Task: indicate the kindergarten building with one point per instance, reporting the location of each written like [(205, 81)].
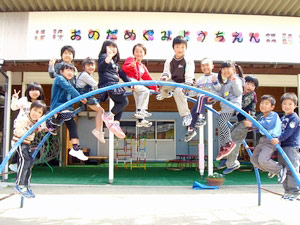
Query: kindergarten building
[(263, 38)]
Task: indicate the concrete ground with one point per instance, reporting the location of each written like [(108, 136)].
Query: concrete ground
[(109, 205)]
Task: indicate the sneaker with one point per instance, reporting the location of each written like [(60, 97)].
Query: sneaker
[(189, 135), (200, 122), (186, 120), (226, 150), (271, 175), (99, 135), (78, 154), (108, 119), (159, 97), (30, 192), (22, 191), (13, 167), (147, 114), (282, 175), (222, 164), (292, 197), (139, 115), (230, 170), (144, 123), (285, 196), (116, 129)]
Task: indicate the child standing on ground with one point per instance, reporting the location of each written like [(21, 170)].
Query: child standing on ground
[(63, 91), (178, 69), (229, 86), (261, 157), (109, 72), (290, 143), (239, 131), (136, 71), (86, 83), (198, 111), (33, 92), (21, 125)]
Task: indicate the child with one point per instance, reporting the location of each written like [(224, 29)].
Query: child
[(198, 111), (63, 91), (179, 70), (230, 87), (239, 131), (21, 125), (86, 83), (261, 157), (290, 143), (33, 92), (136, 71), (109, 72), (67, 54)]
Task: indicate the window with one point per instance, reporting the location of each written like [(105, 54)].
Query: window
[(165, 130)]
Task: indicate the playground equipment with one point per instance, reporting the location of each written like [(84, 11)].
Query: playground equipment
[(146, 83), (124, 153), (140, 153)]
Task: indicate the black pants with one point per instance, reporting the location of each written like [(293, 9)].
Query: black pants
[(121, 101), (25, 164)]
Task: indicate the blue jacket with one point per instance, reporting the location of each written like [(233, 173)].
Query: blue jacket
[(290, 126), (62, 91), (272, 124)]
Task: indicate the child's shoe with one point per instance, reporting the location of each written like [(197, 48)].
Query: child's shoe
[(186, 120), (292, 197), (108, 119), (139, 115), (144, 123), (271, 175), (226, 150), (146, 113), (116, 129), (200, 122), (22, 191), (159, 97), (189, 135), (282, 175), (285, 196), (99, 135), (13, 167), (230, 170), (78, 154), (30, 192), (222, 164)]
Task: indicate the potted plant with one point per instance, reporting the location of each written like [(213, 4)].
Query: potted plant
[(215, 180)]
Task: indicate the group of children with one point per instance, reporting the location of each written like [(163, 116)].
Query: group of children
[(229, 84)]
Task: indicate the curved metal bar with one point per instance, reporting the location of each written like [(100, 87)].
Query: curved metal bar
[(147, 83)]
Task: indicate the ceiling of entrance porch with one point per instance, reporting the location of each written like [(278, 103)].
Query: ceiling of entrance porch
[(246, 7)]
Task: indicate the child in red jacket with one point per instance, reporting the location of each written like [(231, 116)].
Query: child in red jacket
[(136, 71)]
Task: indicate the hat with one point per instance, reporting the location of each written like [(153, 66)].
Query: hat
[(227, 64)]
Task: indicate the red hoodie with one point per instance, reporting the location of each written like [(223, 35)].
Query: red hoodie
[(138, 72)]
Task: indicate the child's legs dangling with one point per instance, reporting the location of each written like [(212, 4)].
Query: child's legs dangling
[(224, 131), (141, 96), (72, 127), (121, 101), (98, 118), (181, 102)]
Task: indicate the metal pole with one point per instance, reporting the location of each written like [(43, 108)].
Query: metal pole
[(111, 151), (210, 132), (6, 120)]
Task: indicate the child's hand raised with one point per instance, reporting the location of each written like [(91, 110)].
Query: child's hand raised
[(133, 64), (52, 62), (233, 78), (247, 123), (110, 52), (16, 94)]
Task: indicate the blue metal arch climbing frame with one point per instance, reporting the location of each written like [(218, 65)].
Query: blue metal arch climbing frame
[(146, 83)]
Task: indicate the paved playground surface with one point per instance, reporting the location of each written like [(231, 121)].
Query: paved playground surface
[(147, 205)]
